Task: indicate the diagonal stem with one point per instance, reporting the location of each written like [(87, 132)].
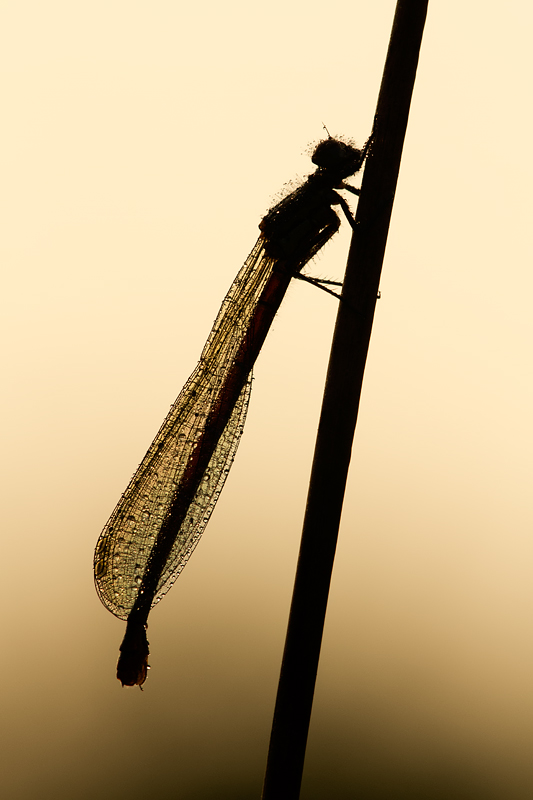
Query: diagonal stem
[(340, 407)]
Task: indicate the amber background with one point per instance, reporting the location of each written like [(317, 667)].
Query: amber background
[(141, 144)]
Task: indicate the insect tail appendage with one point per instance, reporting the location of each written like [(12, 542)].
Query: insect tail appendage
[(132, 667)]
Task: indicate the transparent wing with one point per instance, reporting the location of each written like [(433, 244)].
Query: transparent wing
[(124, 546)]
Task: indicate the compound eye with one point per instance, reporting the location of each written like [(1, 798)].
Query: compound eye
[(337, 157), (329, 154)]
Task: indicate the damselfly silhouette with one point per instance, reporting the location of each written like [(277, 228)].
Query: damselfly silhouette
[(164, 510)]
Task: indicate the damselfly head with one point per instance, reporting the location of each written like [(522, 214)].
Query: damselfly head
[(338, 157)]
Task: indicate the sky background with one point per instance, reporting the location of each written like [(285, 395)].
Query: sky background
[(141, 145)]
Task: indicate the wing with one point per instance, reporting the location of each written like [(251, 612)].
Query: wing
[(126, 543)]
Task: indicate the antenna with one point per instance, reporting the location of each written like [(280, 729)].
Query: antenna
[(328, 133)]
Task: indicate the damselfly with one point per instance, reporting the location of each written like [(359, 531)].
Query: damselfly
[(167, 504)]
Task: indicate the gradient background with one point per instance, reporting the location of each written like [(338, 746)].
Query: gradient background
[(142, 143)]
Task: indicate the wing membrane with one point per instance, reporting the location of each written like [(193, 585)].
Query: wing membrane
[(125, 544)]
